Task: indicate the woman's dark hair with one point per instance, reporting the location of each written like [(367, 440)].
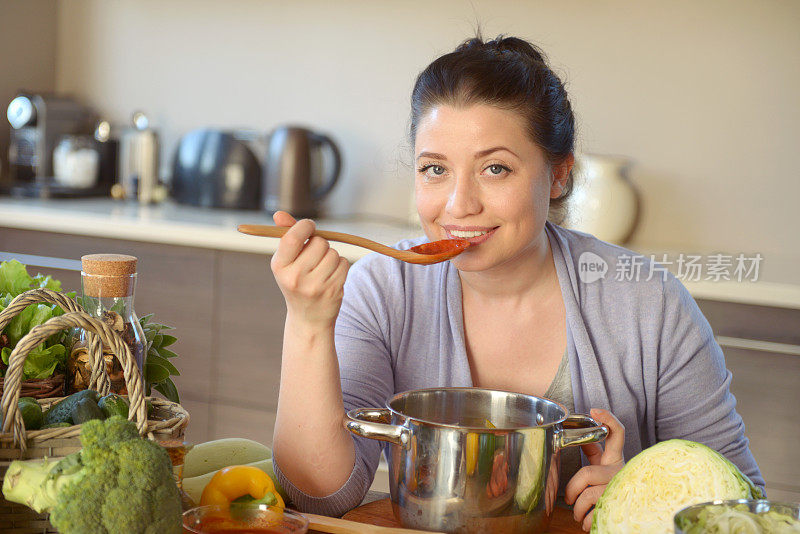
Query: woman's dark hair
[(509, 73)]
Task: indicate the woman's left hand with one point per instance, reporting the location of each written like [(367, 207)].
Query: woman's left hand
[(590, 481)]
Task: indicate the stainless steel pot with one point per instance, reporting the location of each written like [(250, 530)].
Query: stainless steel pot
[(450, 471)]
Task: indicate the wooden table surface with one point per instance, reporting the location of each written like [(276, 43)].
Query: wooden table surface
[(380, 513)]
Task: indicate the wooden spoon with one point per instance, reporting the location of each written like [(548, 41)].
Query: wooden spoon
[(424, 254)]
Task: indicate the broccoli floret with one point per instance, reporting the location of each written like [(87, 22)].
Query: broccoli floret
[(77, 510), (126, 511), (99, 436), (118, 482), (164, 505)]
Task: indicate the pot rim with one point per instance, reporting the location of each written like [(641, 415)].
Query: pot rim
[(469, 428)]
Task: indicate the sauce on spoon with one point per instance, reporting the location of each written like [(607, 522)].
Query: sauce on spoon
[(443, 246)]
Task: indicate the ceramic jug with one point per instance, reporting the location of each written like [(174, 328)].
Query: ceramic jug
[(604, 202)]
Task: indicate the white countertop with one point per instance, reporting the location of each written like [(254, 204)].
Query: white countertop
[(175, 224), (778, 283)]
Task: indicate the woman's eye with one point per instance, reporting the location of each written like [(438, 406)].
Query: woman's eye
[(432, 170), (497, 169)]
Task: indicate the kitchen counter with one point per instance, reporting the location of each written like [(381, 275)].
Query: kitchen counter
[(778, 283), (175, 224)]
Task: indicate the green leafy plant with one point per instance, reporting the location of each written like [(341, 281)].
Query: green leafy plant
[(51, 355), (157, 365)]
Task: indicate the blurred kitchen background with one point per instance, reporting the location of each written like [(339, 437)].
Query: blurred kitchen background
[(700, 97)]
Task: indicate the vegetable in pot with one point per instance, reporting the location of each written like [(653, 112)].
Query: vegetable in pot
[(530, 486), (645, 494)]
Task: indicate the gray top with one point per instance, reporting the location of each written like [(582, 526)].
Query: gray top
[(560, 390), (641, 349)]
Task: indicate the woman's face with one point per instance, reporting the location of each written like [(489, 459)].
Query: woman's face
[(480, 176)]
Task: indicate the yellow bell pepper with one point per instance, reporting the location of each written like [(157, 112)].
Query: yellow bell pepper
[(472, 452), (473, 447), (235, 482)]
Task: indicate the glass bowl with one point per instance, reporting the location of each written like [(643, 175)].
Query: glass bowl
[(687, 520), (243, 519)]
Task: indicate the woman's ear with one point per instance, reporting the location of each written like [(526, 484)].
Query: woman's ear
[(561, 176)]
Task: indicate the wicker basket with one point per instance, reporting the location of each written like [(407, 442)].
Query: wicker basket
[(169, 419), (40, 389), (47, 387)]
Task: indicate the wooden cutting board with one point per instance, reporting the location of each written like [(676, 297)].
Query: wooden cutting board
[(333, 525), (380, 513)]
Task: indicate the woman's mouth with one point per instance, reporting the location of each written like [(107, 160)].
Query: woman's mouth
[(475, 236)]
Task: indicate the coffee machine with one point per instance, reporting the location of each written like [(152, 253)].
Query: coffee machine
[(38, 123)]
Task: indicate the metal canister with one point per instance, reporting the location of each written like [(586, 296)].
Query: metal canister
[(139, 160)]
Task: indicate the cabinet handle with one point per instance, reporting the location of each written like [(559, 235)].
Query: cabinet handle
[(42, 261), (755, 344)]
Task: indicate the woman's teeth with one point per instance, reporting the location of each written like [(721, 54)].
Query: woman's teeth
[(466, 234)]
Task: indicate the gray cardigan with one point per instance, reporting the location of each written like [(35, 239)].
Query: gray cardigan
[(641, 349)]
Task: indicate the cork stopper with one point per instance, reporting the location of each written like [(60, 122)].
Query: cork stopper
[(108, 275)]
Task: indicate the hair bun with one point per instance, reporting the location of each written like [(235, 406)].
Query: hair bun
[(501, 44), (518, 46), (474, 43)]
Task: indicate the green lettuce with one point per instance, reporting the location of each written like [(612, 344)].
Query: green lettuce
[(14, 278), (42, 361)]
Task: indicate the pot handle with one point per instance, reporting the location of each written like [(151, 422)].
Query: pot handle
[(583, 430), (371, 423)]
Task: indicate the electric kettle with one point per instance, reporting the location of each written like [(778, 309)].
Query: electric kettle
[(295, 179), (218, 169)]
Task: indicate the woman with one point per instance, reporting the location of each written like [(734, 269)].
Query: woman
[(493, 136)]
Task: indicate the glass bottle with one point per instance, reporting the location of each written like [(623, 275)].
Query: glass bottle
[(108, 284)]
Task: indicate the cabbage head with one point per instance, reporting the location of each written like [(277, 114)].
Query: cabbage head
[(644, 495)]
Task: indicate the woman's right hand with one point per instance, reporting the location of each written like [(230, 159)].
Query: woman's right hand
[(310, 274), (310, 444)]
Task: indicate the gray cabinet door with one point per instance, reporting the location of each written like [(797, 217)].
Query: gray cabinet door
[(767, 390)]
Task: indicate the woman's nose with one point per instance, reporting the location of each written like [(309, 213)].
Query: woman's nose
[(464, 198)]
